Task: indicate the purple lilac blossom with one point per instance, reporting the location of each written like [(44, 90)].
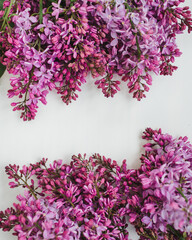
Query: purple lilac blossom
[(95, 198), (160, 196), (129, 38), (82, 200)]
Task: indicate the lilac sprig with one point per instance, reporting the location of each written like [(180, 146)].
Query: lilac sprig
[(95, 198), (82, 200), (53, 45), (55, 53), (160, 203), (143, 39)]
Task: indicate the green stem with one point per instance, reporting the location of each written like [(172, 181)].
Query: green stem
[(41, 11), (7, 14), (27, 185), (180, 191), (38, 226), (138, 48), (136, 36), (97, 189), (130, 9), (147, 236), (177, 233), (28, 85), (66, 198)]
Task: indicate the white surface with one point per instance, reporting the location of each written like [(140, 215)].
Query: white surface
[(95, 124)]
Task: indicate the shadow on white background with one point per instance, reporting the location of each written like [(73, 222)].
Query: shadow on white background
[(95, 124)]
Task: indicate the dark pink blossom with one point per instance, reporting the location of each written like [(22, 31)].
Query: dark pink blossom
[(129, 39), (163, 188), (82, 200)]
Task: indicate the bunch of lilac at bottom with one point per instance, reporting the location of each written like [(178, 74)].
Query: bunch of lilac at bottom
[(160, 196), (95, 198), (82, 200), (54, 44)]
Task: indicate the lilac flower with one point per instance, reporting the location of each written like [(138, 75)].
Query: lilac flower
[(130, 40), (61, 206), (57, 9), (163, 187), (148, 221), (24, 20)]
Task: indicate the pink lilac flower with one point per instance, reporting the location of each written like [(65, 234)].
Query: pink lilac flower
[(130, 39), (55, 54), (163, 188), (57, 9), (95, 198), (82, 200)]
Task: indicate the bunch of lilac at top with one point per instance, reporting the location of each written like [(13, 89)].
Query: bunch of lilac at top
[(82, 200), (143, 40), (52, 50), (160, 192), (55, 44)]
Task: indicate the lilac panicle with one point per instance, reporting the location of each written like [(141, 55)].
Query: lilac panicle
[(162, 187), (130, 39), (95, 198), (82, 200)]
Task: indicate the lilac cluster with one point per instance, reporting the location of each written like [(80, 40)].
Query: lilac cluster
[(55, 53), (143, 40), (54, 44), (95, 198), (82, 200), (160, 203)]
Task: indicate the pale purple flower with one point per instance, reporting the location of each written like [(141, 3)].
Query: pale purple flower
[(163, 186), (59, 206), (57, 9), (132, 40)]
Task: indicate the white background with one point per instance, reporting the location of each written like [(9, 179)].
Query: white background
[(95, 124)]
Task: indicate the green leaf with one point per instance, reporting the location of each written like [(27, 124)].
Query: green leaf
[(1, 4), (2, 69)]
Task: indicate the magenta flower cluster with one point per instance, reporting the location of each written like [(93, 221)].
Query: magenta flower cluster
[(160, 200), (96, 199), (53, 45), (83, 200)]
